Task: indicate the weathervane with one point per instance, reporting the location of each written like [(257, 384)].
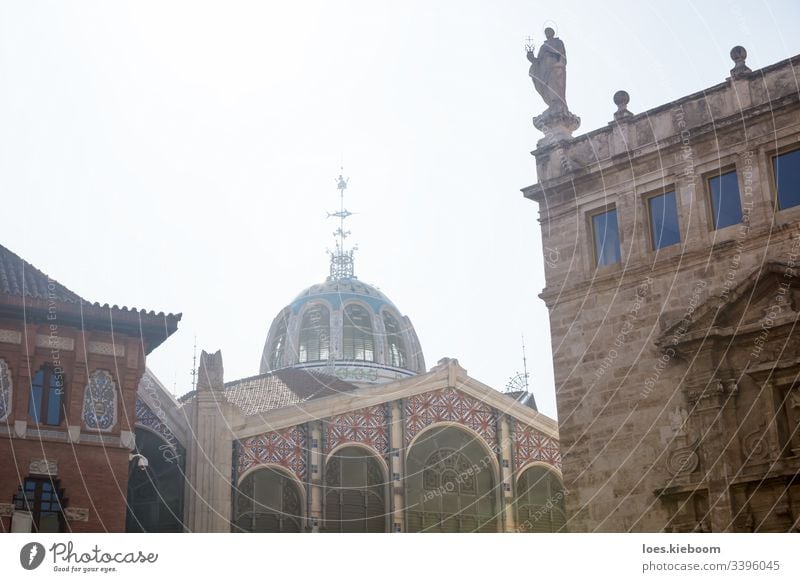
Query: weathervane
[(519, 381), (341, 259)]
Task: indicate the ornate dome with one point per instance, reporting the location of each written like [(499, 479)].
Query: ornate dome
[(346, 328)]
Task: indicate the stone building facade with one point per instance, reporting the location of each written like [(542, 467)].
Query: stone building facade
[(671, 241)]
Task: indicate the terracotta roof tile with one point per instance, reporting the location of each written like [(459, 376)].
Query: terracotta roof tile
[(19, 277), (281, 388)]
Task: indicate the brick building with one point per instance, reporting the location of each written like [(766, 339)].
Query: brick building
[(671, 241), (69, 372)]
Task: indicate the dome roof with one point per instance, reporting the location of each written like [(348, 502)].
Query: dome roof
[(346, 328), (337, 291)]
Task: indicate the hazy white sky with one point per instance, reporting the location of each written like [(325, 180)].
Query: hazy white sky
[(180, 156)]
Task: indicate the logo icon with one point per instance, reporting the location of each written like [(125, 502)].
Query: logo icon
[(31, 555)]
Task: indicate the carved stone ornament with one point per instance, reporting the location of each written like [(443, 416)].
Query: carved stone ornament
[(43, 467), (683, 460), (76, 513), (755, 444)]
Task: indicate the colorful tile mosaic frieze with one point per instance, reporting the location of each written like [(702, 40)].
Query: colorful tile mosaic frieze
[(450, 405)]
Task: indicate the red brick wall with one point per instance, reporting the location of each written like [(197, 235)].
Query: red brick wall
[(92, 476)]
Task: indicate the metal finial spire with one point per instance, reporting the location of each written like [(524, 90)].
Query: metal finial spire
[(520, 380), (341, 259)]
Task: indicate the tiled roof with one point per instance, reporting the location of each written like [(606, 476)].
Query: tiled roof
[(18, 277), (281, 388)]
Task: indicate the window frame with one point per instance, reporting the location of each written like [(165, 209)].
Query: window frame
[(317, 305), (400, 341), (709, 203), (371, 333), (648, 199), (773, 178), (590, 215), (49, 372), (21, 501)]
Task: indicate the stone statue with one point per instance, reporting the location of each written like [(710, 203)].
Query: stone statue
[(549, 71)]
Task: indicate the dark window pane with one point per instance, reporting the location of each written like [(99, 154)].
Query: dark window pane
[(606, 238), (664, 221), (35, 404), (725, 202), (54, 401), (787, 179)]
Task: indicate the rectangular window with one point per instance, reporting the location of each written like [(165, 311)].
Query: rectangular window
[(726, 205), (787, 179), (664, 220), (606, 238)]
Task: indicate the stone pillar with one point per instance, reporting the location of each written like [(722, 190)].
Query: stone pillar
[(209, 455), (315, 476), (506, 474), (396, 465), (712, 406)]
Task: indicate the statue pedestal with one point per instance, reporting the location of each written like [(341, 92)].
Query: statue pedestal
[(556, 126)]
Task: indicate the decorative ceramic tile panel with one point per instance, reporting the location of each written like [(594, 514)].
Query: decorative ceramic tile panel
[(367, 426), (450, 405), (55, 342), (105, 349), (100, 401), (147, 418), (6, 391), (9, 336), (286, 447), (533, 445)]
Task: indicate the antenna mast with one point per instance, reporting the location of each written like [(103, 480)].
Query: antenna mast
[(194, 365)]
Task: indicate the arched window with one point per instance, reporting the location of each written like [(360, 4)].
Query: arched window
[(155, 493), (357, 342), (43, 499), (540, 501), (6, 390), (354, 493), (315, 335), (100, 401), (279, 343), (451, 476), (46, 403), (267, 501), (394, 341)]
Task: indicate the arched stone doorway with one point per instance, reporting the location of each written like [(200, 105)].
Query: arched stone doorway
[(355, 492), (450, 484)]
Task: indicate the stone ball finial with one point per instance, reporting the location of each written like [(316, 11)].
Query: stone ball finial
[(739, 55), (621, 100)]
